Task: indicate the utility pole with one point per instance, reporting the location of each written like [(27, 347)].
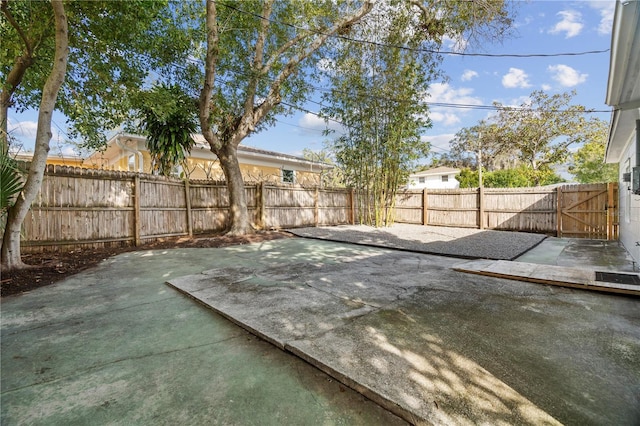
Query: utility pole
[(479, 159), (480, 187)]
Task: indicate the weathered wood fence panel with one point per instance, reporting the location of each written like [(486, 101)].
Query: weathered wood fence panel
[(81, 207), (289, 207), (209, 204), (517, 209), (409, 206), (526, 209), (163, 209), (334, 207), (588, 211)]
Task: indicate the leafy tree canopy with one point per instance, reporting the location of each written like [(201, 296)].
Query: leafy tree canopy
[(114, 45), (519, 177), (539, 134), (168, 117), (588, 161)]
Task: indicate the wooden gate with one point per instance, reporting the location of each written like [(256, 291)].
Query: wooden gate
[(588, 211)]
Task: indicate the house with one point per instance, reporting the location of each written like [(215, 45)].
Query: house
[(128, 152), (623, 94), (437, 178), (54, 159)]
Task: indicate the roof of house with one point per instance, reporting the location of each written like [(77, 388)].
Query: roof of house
[(623, 86), (202, 143), (245, 153), (436, 171)]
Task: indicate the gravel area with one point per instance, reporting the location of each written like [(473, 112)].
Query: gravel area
[(456, 242)]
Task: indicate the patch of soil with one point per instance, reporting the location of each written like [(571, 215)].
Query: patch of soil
[(50, 267)]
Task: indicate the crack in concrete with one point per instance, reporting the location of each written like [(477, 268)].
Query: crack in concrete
[(75, 318), (117, 361)]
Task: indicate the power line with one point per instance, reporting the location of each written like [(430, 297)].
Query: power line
[(413, 49)]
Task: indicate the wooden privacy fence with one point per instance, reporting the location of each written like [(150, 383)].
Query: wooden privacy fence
[(577, 211), (85, 208)]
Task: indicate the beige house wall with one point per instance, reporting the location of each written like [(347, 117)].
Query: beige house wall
[(198, 168), (202, 169)]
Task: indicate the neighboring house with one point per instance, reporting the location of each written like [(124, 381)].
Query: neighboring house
[(438, 178), (623, 94), (128, 152), (55, 159)]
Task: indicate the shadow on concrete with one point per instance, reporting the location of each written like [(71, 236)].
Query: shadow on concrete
[(431, 344)]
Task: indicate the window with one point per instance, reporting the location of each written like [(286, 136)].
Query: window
[(445, 178), (131, 163), (288, 176), (421, 179)]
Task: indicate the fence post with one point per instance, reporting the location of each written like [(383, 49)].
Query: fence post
[(559, 212), (481, 208), (262, 216), (187, 197), (425, 206), (610, 211), (316, 215), (136, 210), (352, 212)]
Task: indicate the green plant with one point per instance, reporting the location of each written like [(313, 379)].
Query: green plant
[(11, 182)]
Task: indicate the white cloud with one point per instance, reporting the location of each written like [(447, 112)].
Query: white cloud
[(446, 118), (605, 9), (468, 75), (445, 93), (515, 78), (546, 87), (571, 23), (566, 76), (314, 123), (22, 129), (24, 134)]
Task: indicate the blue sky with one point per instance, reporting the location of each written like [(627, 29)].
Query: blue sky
[(541, 27)]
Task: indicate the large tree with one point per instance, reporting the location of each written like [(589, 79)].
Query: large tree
[(539, 134), (588, 164), (112, 46), (483, 143), (255, 53), (16, 213), (542, 130)]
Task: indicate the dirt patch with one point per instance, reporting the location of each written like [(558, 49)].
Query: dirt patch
[(48, 268)]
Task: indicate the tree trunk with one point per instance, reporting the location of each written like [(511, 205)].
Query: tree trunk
[(10, 254), (239, 222)]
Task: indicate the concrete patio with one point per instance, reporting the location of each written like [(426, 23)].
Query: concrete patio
[(115, 345)]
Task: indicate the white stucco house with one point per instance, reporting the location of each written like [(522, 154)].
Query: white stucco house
[(623, 94), (437, 178)]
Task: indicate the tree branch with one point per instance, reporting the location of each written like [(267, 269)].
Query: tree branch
[(204, 106), (258, 58), (5, 9), (273, 97)]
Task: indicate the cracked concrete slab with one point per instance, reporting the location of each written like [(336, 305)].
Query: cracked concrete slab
[(115, 345), (435, 345)]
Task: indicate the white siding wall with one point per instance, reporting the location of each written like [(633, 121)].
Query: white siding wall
[(629, 206), (434, 182)]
